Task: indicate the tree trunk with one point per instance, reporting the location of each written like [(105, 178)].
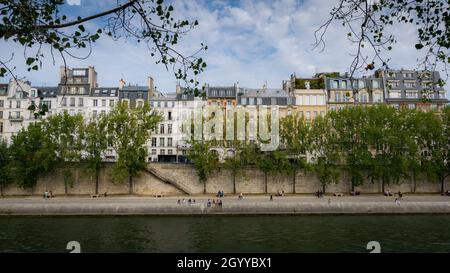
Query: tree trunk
[(265, 182), (204, 187), (130, 184), (66, 190), (442, 185), (96, 182), (1, 189), (323, 188), (414, 183), (234, 183), (382, 186), (293, 183)]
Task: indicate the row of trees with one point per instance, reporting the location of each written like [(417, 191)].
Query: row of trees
[(378, 143), (61, 138)]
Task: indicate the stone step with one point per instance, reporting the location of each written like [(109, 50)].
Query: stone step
[(166, 179)]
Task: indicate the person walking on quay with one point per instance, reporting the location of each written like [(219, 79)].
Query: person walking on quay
[(240, 197), (271, 197)]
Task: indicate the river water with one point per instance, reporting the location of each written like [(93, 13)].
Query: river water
[(395, 233)]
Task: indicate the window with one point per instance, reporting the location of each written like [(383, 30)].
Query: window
[(169, 151), (411, 106), (79, 72), (81, 90), (229, 103), (72, 101), (113, 92), (161, 128), (94, 113), (1, 127), (169, 142), (442, 95), (165, 104), (375, 84), (184, 104), (335, 84), (140, 95), (111, 103), (1, 103), (161, 142), (153, 151), (95, 102), (316, 114), (64, 102), (169, 116), (139, 104), (393, 83), (313, 99), (125, 95), (169, 128), (103, 103), (410, 84), (17, 104), (338, 96), (411, 95), (80, 102), (153, 141), (343, 84), (394, 94), (377, 97), (1, 114), (259, 101), (103, 112), (162, 151), (308, 115), (159, 104), (322, 113), (363, 97)]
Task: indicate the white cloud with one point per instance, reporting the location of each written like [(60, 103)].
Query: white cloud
[(249, 42)]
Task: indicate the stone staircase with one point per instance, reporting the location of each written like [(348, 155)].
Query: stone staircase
[(167, 179)]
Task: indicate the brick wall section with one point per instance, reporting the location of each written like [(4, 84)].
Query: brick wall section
[(249, 181)]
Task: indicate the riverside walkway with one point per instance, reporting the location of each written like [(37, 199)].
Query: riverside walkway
[(260, 204)]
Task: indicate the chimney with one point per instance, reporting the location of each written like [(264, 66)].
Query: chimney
[(151, 86), (178, 89), (92, 77), (121, 83)]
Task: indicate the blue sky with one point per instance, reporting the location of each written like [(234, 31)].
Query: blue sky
[(250, 42)]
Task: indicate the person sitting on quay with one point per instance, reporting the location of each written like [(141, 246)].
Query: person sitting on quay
[(271, 197), (241, 196), (189, 201), (208, 203), (179, 202), (220, 202)]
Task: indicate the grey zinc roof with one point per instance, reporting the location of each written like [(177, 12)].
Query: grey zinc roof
[(47, 91), (164, 96), (263, 93), (131, 88), (104, 92)]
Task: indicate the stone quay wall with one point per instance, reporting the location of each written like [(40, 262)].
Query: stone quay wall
[(179, 179)]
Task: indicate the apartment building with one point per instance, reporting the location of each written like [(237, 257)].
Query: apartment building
[(344, 91), (74, 89), (3, 99), (310, 95), (413, 89)]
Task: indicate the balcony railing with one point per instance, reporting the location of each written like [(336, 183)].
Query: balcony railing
[(15, 119)]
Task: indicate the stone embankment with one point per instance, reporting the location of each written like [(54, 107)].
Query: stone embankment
[(231, 206)]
